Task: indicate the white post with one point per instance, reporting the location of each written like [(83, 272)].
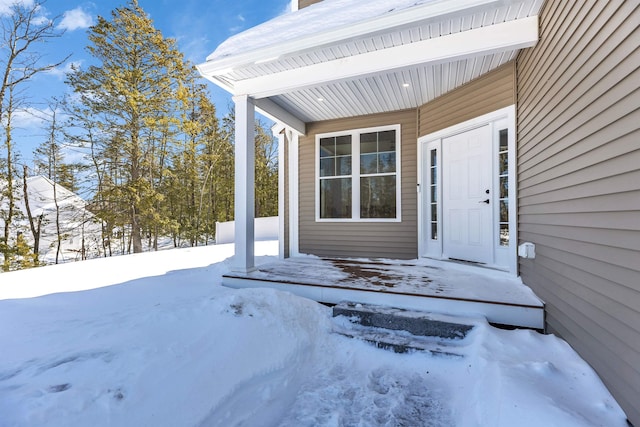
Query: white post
[(244, 260), (294, 246), (279, 133)]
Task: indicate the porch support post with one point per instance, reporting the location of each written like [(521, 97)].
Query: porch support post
[(244, 260)]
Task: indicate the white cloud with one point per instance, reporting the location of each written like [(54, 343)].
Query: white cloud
[(30, 117), (5, 5), (62, 71), (75, 19)]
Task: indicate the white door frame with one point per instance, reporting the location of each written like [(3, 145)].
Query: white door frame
[(504, 257)]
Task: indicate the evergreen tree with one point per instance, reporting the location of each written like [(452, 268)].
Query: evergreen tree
[(133, 96), (266, 168), (194, 171)]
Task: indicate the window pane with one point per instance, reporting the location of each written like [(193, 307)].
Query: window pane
[(327, 147), (504, 163), (434, 158), (504, 187), (504, 211), (378, 197), (335, 198), (387, 162), (369, 163), (504, 139), (434, 194), (328, 167), (434, 231), (343, 145), (504, 234), (369, 142), (343, 165), (434, 212), (387, 140)]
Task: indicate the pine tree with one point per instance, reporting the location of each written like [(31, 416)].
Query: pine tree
[(266, 168), (191, 206), (133, 95)]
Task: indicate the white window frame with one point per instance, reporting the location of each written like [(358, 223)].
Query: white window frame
[(355, 174)]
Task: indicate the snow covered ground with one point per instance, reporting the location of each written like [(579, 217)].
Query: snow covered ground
[(154, 340)]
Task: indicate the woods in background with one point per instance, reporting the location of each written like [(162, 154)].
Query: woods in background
[(157, 160)]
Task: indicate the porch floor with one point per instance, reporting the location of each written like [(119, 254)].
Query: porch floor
[(423, 284)]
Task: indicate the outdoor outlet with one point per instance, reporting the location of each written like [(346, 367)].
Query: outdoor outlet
[(527, 250)]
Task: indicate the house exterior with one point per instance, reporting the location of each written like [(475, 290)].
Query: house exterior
[(501, 133)]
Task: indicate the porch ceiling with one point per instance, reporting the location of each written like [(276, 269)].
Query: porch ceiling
[(392, 58)]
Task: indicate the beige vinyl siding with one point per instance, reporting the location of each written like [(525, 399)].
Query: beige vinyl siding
[(305, 3), (483, 95), (579, 183), (360, 239)]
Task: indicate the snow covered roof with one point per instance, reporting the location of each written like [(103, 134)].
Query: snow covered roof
[(343, 58), (319, 18), (41, 195)]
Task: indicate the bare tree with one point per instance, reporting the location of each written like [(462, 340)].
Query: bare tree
[(21, 29)]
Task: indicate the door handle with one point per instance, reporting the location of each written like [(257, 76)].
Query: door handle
[(484, 201)]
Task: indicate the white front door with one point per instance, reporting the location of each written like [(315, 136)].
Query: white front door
[(466, 200)]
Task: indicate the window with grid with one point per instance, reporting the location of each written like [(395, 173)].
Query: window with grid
[(358, 175)]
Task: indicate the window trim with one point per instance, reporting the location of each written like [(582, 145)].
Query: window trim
[(355, 174)]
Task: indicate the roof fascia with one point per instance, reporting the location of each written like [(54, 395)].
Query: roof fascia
[(507, 36), (427, 11)]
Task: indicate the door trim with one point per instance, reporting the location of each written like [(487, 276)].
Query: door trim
[(504, 257)]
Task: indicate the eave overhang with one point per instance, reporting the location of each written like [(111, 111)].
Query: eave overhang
[(356, 68)]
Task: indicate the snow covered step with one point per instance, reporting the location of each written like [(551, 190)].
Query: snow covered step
[(399, 341), (415, 322), (403, 330)]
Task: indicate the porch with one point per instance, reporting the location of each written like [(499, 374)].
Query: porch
[(427, 285)]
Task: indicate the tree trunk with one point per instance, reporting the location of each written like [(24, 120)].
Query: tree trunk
[(59, 234), (7, 252), (136, 237), (35, 231)]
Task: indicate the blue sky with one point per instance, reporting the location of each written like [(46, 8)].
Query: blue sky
[(198, 26)]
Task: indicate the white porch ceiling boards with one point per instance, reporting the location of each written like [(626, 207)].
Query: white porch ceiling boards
[(385, 92), (365, 67)]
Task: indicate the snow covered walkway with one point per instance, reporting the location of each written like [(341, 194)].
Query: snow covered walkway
[(154, 339)]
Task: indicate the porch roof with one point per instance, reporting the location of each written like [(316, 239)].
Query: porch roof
[(343, 58)]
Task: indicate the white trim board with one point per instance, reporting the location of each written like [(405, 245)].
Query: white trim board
[(427, 12), (507, 36)]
